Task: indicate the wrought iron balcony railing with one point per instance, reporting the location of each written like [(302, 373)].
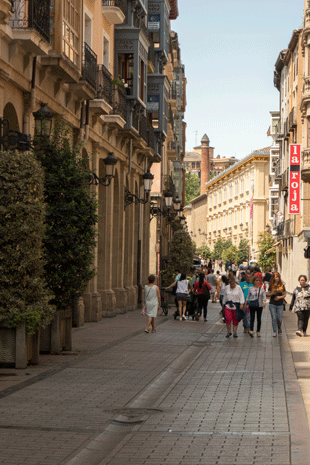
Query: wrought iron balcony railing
[(280, 229), (104, 84), (143, 128), (32, 14), (121, 4), (89, 69), (119, 102), (151, 136)]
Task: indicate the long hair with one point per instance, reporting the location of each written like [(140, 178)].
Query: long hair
[(183, 276), (201, 280), (272, 284)]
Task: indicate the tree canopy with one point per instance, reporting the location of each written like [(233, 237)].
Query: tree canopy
[(267, 256), (192, 187)]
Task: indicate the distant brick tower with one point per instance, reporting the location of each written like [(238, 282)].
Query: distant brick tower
[(205, 163)]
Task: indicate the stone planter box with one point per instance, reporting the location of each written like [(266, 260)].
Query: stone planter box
[(57, 336), (17, 349)]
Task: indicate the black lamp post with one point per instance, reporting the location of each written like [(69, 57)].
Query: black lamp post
[(132, 198), (43, 121), (110, 162), (16, 140)]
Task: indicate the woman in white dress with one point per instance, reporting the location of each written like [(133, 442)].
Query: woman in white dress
[(152, 302)]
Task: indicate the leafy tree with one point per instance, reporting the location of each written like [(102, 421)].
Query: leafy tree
[(243, 251), (230, 253), (219, 247), (71, 216), (266, 259), (23, 293), (192, 187), (204, 251), (181, 256)]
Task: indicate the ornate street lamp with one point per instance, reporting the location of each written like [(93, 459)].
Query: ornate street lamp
[(110, 162), (16, 140), (43, 121), (132, 198), (177, 204), (168, 199)]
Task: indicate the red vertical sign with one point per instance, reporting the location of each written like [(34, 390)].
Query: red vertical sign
[(294, 180)]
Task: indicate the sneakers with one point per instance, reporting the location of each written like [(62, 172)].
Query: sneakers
[(228, 334), (280, 332), (205, 319), (251, 333), (274, 334), (305, 334), (258, 334), (183, 317), (235, 335), (299, 333)]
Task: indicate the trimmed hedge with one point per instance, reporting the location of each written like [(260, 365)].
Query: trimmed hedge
[(23, 293), (71, 218)]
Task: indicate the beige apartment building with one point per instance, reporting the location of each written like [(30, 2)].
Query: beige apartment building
[(235, 204), (292, 79), (99, 65)]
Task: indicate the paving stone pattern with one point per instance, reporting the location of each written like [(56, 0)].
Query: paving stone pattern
[(183, 395)]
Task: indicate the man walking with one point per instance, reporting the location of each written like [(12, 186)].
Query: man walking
[(211, 279)]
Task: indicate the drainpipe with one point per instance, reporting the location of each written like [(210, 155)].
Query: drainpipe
[(28, 112)]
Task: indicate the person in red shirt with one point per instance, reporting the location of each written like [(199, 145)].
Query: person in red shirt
[(203, 298), (259, 274)]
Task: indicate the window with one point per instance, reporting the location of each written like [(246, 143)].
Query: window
[(273, 203), (236, 187), (230, 218), (230, 190), (236, 217), (242, 185), (241, 215), (106, 52), (71, 30), (215, 198), (142, 87), (248, 183), (219, 223), (125, 69), (220, 196), (193, 165), (225, 193)]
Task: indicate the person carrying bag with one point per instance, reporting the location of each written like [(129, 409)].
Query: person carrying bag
[(256, 300)]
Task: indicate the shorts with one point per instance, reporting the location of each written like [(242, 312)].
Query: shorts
[(182, 297), (230, 316)]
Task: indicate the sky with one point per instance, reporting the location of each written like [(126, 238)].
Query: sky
[(229, 49)]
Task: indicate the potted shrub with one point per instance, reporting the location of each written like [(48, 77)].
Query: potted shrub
[(24, 299)]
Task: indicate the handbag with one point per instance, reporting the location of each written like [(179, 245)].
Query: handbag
[(254, 303)]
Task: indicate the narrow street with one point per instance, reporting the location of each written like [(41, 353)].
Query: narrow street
[(183, 395)]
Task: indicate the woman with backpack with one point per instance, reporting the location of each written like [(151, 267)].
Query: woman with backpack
[(182, 289), (203, 288)]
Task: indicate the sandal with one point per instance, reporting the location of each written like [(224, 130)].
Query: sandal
[(146, 330), (228, 334)]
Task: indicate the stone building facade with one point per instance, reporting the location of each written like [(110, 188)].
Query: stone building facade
[(235, 204), (291, 78), (99, 67)]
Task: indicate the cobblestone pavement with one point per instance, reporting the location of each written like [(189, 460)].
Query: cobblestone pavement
[(183, 395)]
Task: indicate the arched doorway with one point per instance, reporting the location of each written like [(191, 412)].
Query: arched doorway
[(9, 113)]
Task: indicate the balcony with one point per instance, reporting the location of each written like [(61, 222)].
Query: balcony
[(102, 104), (283, 184), (292, 119), (31, 23), (280, 229), (89, 68), (150, 136), (115, 11), (305, 166)]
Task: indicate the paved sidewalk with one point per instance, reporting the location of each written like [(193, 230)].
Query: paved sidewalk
[(184, 395)]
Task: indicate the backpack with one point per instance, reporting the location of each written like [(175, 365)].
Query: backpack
[(206, 291)]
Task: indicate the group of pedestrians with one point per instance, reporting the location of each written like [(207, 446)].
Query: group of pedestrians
[(242, 294)]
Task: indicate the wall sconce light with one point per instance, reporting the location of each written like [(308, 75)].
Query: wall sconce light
[(110, 162), (16, 140), (132, 198)]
